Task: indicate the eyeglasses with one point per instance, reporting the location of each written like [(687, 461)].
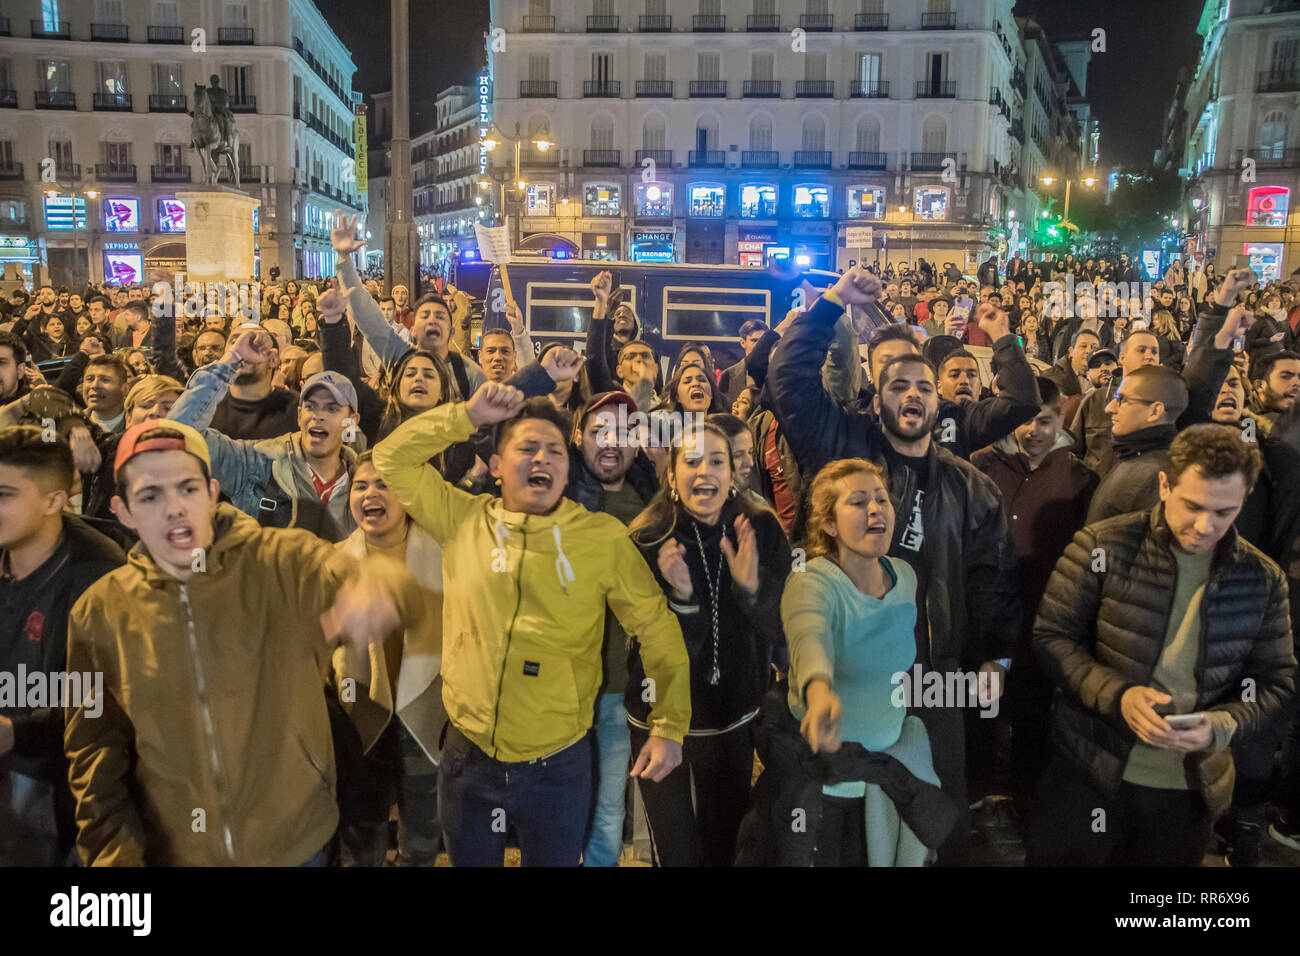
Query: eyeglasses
[(1123, 400)]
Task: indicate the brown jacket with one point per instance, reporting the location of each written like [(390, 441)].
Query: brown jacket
[(213, 746)]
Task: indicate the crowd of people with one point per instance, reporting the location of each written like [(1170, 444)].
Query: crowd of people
[(323, 565)]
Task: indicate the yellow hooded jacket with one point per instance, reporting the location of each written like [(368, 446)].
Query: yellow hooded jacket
[(524, 605)]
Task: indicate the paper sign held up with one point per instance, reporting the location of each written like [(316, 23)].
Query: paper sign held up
[(493, 243)]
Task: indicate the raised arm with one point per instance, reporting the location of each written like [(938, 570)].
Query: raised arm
[(600, 334), (383, 338), (1218, 324), (1017, 400)]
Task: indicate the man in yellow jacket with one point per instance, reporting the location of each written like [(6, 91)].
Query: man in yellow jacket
[(527, 578), (209, 742)]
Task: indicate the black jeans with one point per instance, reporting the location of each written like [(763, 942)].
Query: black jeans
[(842, 836), (702, 833), (1141, 826)]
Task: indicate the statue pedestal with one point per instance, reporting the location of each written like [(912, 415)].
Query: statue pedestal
[(218, 234)]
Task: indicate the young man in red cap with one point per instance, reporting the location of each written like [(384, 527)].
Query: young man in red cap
[(213, 744)]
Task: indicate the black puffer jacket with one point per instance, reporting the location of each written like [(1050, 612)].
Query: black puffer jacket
[(1101, 632), (1134, 483), (750, 634)]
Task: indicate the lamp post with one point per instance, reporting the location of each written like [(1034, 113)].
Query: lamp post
[(540, 139), (1087, 182)]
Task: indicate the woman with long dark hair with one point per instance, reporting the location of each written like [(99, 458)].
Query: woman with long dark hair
[(571, 394), (691, 389), (722, 563), (421, 381)]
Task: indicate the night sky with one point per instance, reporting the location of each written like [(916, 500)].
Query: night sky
[(1129, 85)]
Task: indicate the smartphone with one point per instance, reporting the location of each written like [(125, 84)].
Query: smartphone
[(1183, 721)]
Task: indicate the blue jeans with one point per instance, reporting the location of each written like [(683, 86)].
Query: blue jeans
[(545, 800), (613, 749)]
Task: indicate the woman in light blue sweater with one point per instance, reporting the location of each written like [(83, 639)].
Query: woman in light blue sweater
[(849, 620)]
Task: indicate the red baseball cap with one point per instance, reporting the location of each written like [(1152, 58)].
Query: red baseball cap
[(160, 434)]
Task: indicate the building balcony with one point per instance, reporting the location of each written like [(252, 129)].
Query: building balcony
[(936, 89), (939, 21), (110, 32), (168, 103), (1018, 130), (235, 36), (662, 88), (602, 157), (532, 157), (654, 23), (56, 100), (760, 158), (870, 21), (930, 162), (245, 104), (763, 23), (707, 158), (68, 172), (602, 24), (11, 171), (166, 34), (870, 89), (709, 23), (119, 102), (660, 157), (539, 89), (1276, 156), (602, 89), (51, 30), (817, 22), (534, 24), (812, 159), (115, 172), (709, 88), (762, 89), (9, 99), (169, 174), (814, 89), (1018, 82), (1277, 81), (867, 160)]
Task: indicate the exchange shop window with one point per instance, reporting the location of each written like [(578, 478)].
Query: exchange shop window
[(866, 202), (654, 199), (932, 202), (539, 199), (600, 200), (758, 201), (708, 201), (812, 202)]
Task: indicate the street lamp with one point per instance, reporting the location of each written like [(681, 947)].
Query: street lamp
[(1087, 182)]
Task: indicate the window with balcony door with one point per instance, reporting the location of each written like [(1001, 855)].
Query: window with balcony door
[(539, 8), (760, 134), (54, 76), (936, 72), (165, 13), (61, 153), (112, 76), (116, 155), (236, 81), (654, 133), (539, 68), (1272, 135), (602, 70), (171, 157), (235, 14), (814, 134), (109, 11), (814, 67), (710, 8), (869, 72), (50, 10), (656, 67)]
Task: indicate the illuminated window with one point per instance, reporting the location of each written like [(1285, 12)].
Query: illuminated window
[(932, 202), (866, 202), (1267, 206), (758, 201), (539, 199), (812, 202), (654, 199), (600, 199), (708, 200)]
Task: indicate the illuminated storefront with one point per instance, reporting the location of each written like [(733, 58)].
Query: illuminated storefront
[(653, 245), (654, 200), (757, 201)]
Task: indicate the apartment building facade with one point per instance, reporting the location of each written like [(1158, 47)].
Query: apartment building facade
[(703, 131), (1241, 150), (95, 131)]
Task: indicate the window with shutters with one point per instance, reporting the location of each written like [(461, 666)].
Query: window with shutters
[(111, 76), (1272, 135), (760, 133), (869, 69), (539, 8), (236, 81), (868, 138), (168, 78), (708, 66), (762, 67), (602, 133), (165, 13), (539, 67), (235, 14), (814, 134), (934, 135), (109, 11), (710, 8), (656, 67), (54, 76), (814, 66), (654, 133)]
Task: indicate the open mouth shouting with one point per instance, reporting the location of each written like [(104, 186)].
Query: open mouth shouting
[(697, 395), (181, 537), (876, 526), (541, 480), (373, 511), (318, 433), (1228, 404), (705, 492), (911, 414), (608, 458)]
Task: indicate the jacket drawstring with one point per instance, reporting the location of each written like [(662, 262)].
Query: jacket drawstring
[(563, 569)]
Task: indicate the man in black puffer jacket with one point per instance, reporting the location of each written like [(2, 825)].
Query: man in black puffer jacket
[(1149, 615)]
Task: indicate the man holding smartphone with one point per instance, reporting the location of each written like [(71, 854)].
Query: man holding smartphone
[(1150, 615)]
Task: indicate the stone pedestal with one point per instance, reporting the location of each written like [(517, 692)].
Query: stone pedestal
[(218, 234)]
